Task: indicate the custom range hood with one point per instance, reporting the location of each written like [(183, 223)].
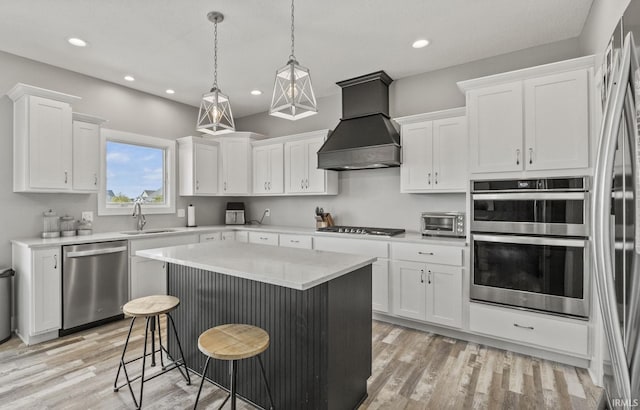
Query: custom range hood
[(365, 137)]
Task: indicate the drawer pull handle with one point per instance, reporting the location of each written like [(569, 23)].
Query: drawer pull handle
[(425, 253), (523, 327), (294, 241), (263, 238)]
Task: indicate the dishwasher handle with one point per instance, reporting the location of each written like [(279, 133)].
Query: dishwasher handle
[(94, 252)]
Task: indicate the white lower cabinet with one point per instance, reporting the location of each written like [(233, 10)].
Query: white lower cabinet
[(148, 276), (569, 336), (296, 241), (380, 285), (211, 237), (427, 282), (38, 292), (242, 236), (228, 236), (263, 238)]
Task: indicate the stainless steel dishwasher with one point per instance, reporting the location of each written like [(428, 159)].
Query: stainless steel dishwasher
[(95, 284)]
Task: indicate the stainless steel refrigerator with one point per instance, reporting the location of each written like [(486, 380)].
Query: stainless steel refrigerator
[(616, 208)]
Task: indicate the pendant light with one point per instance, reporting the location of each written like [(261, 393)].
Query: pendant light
[(215, 115), (293, 96)]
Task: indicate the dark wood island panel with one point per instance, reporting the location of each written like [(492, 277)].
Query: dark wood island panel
[(320, 351)]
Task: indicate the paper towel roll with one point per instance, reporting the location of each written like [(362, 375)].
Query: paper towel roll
[(191, 215)]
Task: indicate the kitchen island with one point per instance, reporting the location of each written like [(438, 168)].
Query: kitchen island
[(316, 307)]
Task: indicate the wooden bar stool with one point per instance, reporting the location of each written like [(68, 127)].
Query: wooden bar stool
[(150, 307), (233, 342)]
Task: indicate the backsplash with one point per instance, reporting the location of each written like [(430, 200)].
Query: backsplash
[(366, 198)]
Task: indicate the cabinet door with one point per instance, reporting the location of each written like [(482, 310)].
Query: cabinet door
[(495, 128), (450, 154), (444, 295), (148, 277), (86, 155), (315, 180), (242, 236), (261, 170), (275, 184), (557, 121), (206, 169), (235, 160), (46, 301), (409, 292), (417, 164), (295, 164), (380, 285), (50, 144), (228, 236)]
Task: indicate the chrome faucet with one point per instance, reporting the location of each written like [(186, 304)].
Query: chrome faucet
[(137, 212)]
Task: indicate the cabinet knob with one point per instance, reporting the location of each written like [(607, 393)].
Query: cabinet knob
[(429, 178), (302, 183), (436, 178), (429, 278), (530, 155), (95, 179), (265, 186), (197, 185), (517, 157), (55, 261), (66, 177), (421, 275), (269, 185)]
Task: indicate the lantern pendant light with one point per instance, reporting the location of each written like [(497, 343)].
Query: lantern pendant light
[(215, 115), (293, 96)]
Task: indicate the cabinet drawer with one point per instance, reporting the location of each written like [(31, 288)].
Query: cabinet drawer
[(354, 246), (561, 334), (150, 243), (443, 255), (228, 236), (295, 241), (210, 237), (263, 238)]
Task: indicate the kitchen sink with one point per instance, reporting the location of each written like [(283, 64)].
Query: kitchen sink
[(148, 231)]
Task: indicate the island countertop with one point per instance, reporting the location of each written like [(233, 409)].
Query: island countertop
[(293, 268)]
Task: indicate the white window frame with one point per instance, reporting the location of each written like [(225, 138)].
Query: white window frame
[(169, 147)]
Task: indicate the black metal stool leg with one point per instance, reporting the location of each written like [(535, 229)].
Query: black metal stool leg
[(160, 342), (184, 362), (234, 387), (144, 359), (204, 373), (124, 350), (153, 340), (266, 384)]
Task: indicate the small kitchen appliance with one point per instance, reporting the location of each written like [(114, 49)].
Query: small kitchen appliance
[(51, 224), (235, 213), (442, 224)]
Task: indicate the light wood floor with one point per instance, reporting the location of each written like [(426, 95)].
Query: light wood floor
[(411, 370)]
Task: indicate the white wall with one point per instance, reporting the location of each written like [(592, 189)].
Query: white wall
[(601, 21), (372, 197), (125, 109)]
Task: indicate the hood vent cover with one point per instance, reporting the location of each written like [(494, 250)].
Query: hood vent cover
[(365, 137)]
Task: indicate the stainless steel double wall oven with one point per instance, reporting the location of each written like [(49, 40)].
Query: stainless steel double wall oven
[(530, 244)]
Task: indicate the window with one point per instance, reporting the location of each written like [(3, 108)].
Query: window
[(136, 168)]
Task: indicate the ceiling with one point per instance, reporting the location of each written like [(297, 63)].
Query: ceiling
[(169, 44)]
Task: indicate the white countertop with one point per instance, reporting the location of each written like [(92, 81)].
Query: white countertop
[(299, 269), (410, 236)]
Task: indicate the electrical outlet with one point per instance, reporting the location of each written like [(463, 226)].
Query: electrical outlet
[(181, 213), (87, 216), (267, 212)]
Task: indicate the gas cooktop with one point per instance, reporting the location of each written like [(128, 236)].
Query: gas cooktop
[(360, 230)]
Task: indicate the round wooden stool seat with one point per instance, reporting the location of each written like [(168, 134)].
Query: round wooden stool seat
[(233, 341), (150, 305)]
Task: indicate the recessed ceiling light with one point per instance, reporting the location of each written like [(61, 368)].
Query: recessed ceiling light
[(256, 92), (78, 42), (170, 91), (129, 78), (420, 43)]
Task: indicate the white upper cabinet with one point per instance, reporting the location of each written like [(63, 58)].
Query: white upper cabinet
[(495, 128), (434, 152), (301, 173), (557, 121), (198, 166), (42, 140), (86, 152), (268, 169), (536, 119), (235, 170)]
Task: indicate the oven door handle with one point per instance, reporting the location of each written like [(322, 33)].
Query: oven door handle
[(530, 196), (531, 240)]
